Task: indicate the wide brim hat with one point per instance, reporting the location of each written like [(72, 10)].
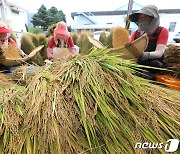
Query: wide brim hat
[(149, 10), (61, 28)]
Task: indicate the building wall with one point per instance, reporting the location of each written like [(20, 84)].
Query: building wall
[(17, 20), (102, 22), (166, 20)]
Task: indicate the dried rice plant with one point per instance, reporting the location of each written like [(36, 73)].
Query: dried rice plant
[(11, 51), (83, 42), (110, 39), (75, 37), (103, 38), (12, 111), (120, 37), (172, 59), (5, 80), (30, 41), (90, 104), (51, 30)]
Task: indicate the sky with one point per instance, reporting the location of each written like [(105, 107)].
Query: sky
[(68, 6)]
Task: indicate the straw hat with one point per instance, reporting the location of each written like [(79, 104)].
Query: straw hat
[(4, 28), (61, 28)]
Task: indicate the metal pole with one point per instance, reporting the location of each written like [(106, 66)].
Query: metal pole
[(129, 11), (4, 16)]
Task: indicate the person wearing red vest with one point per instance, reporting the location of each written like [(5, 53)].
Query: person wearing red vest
[(148, 22), (61, 38), (5, 40)]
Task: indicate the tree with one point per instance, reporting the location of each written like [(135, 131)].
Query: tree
[(45, 18), (41, 19), (56, 15)]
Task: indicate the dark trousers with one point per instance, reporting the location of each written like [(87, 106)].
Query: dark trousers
[(150, 73), (153, 63)]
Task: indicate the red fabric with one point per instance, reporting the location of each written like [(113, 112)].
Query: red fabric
[(132, 38), (11, 41), (162, 39)]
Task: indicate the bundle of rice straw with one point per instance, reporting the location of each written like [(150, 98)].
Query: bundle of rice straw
[(103, 38), (11, 51), (5, 80), (83, 42), (29, 42), (90, 104), (120, 37), (172, 59)]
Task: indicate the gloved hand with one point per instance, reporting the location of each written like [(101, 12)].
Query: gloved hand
[(22, 53), (145, 56)]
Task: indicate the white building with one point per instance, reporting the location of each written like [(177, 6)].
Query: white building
[(105, 20), (14, 16)]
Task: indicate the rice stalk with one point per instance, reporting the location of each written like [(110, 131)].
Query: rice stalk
[(91, 104)]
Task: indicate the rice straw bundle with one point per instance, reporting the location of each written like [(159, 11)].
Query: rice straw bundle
[(11, 117), (83, 42), (110, 39), (120, 37), (30, 41), (172, 59), (5, 80), (51, 30), (11, 51), (93, 104), (103, 38), (75, 37)]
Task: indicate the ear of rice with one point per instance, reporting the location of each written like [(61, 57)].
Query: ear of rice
[(11, 51), (5, 80), (120, 37)]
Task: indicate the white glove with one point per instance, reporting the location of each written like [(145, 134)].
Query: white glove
[(145, 56), (22, 53)]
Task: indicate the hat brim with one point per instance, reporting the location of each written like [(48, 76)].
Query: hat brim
[(61, 31), (4, 30), (134, 17)]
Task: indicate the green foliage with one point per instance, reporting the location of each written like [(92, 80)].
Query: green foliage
[(45, 18), (41, 19), (34, 30), (55, 15), (69, 28), (13, 36)]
